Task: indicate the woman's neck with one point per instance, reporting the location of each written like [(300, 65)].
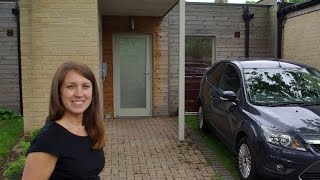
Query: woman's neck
[(72, 119)]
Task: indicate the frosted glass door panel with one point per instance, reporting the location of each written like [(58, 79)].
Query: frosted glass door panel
[(132, 54)]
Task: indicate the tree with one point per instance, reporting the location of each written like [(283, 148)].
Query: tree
[(251, 2), (293, 1)]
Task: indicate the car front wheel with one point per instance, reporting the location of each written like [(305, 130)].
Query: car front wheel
[(246, 160), (202, 124)]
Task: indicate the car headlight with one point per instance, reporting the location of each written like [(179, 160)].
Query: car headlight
[(283, 139)]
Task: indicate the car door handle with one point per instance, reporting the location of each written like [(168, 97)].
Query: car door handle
[(223, 99)]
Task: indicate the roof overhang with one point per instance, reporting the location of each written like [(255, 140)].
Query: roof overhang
[(157, 8)]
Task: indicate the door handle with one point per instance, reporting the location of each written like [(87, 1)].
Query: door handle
[(223, 99)]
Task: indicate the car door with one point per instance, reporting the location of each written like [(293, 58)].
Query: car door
[(209, 85), (222, 110)]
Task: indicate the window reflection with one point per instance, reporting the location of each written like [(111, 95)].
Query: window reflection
[(275, 86)]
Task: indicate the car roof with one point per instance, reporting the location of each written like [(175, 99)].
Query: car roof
[(267, 63)]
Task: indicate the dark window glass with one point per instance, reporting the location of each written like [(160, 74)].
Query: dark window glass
[(199, 49), (214, 74), (229, 80)]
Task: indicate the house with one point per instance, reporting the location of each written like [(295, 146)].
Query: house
[(133, 48), (97, 33), (301, 32), (297, 30), (220, 33), (9, 58)]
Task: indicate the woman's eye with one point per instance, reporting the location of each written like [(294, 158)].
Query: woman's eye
[(86, 86), (70, 87)]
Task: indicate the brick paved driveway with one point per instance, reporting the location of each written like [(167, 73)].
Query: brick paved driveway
[(149, 149)]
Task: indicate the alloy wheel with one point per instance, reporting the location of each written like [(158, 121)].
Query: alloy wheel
[(244, 160), (200, 117)]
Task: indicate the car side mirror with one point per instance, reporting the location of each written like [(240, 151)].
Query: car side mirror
[(229, 96)]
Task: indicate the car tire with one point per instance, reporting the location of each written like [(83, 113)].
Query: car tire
[(202, 124), (246, 160)]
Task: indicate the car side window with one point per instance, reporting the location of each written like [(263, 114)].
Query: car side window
[(213, 75), (230, 80)]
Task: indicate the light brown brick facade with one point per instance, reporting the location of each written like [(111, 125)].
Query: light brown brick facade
[(53, 32), (302, 36)]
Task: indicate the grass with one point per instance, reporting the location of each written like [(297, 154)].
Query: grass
[(228, 159), (10, 131)]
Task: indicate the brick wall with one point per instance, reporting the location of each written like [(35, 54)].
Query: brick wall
[(53, 32), (301, 36), (9, 67)]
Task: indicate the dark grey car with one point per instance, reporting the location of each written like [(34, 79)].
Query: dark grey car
[(268, 113)]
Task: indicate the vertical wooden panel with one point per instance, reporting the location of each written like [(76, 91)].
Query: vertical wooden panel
[(9, 66)]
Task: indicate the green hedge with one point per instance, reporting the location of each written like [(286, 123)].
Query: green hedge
[(14, 169)]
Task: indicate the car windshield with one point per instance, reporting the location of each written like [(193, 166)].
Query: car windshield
[(280, 86)]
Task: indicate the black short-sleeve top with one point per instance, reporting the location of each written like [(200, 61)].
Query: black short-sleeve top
[(76, 159)]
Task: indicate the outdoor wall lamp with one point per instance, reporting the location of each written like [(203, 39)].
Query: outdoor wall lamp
[(132, 23)]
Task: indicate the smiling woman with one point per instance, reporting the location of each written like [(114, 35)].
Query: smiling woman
[(70, 145)]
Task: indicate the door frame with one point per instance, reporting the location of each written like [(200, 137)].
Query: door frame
[(116, 79)]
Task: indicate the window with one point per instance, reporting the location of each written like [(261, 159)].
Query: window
[(200, 49), (213, 75), (272, 86), (229, 80)]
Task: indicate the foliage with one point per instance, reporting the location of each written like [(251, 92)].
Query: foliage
[(192, 121), (10, 131), (33, 135), (251, 2), (11, 128), (24, 146), (293, 1), (7, 114), (15, 169)]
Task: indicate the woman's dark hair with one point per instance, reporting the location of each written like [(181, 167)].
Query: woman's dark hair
[(92, 117)]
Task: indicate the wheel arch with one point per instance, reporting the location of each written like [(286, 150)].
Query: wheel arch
[(249, 132)]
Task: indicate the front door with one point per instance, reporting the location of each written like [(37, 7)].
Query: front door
[(132, 77)]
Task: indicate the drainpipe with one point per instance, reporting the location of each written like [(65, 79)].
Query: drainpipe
[(246, 16), (16, 12), (280, 19)]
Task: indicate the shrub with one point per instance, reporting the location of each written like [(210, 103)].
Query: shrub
[(7, 114), (33, 135), (24, 146), (15, 169)]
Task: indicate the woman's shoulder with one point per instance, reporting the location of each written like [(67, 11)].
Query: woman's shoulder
[(50, 127), (47, 140), (50, 131)]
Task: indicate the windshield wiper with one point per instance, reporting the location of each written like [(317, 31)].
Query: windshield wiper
[(311, 104), (287, 104)]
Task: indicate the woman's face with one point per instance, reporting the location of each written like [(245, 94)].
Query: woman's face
[(76, 93)]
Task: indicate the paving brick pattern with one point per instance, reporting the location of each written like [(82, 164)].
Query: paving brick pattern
[(149, 149), (216, 164)]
